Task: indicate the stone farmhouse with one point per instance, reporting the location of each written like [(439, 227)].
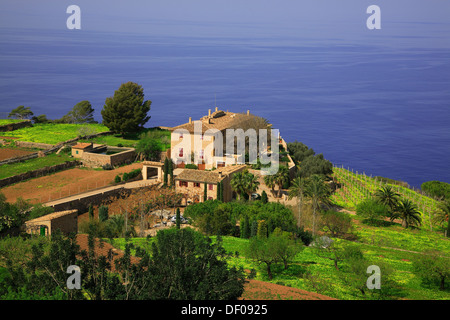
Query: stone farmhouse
[(203, 142)]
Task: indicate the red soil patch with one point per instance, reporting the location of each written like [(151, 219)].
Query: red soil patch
[(6, 153), (63, 184), (260, 290), (102, 249)]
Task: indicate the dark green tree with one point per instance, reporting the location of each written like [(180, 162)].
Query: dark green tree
[(82, 112), (103, 213), (205, 192), (178, 218), (433, 269), (264, 198), (166, 171), (21, 112), (126, 111), (198, 270)]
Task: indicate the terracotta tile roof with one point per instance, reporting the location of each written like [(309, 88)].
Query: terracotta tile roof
[(83, 145), (213, 177), (220, 120)]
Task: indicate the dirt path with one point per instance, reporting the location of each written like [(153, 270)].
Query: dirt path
[(63, 184)]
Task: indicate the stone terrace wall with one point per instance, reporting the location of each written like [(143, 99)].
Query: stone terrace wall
[(15, 126), (32, 145), (37, 173), (82, 203), (97, 159)]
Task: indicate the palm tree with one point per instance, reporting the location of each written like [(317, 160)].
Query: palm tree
[(269, 180), (387, 196), (443, 215), (251, 183), (281, 177), (318, 192), (238, 184), (409, 213), (297, 189)]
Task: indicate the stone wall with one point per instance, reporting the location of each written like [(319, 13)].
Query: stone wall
[(82, 204), (15, 126), (37, 173), (96, 159), (31, 145)]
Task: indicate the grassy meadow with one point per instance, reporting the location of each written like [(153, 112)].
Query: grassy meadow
[(54, 133)]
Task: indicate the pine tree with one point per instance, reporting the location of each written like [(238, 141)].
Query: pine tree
[(126, 111)]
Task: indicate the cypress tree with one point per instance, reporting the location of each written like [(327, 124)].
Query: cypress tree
[(264, 198), (254, 228), (178, 218), (91, 212), (170, 170), (262, 229), (103, 213), (166, 170), (205, 193), (218, 191), (221, 191)]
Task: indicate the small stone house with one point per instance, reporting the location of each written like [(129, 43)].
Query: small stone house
[(80, 148), (66, 221), (191, 183)]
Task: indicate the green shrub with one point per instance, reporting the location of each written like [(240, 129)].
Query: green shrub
[(117, 179), (371, 209), (436, 189), (190, 166), (103, 213)]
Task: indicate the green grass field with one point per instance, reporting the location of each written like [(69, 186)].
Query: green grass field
[(392, 245), (8, 170), (53, 133), (131, 140), (8, 121)]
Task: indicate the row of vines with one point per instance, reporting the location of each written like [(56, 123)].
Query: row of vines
[(355, 187)]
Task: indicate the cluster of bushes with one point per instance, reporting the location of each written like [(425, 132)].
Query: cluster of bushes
[(127, 176), (311, 163), (437, 189), (106, 226), (13, 215), (214, 217)]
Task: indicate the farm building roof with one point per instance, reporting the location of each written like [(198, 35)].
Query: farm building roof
[(215, 176)]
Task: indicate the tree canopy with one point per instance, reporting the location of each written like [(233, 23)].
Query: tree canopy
[(21, 112), (126, 111), (82, 112)]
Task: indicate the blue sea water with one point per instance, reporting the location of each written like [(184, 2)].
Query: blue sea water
[(379, 107)]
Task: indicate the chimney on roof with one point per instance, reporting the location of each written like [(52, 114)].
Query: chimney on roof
[(220, 174), (190, 119), (248, 112), (209, 112), (217, 109)]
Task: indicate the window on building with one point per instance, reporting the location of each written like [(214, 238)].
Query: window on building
[(202, 154), (196, 184), (180, 152), (211, 187)]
